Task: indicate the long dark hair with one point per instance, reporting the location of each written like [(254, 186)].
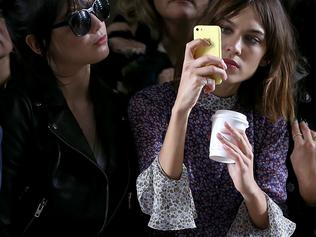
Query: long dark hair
[(35, 17), (270, 90)]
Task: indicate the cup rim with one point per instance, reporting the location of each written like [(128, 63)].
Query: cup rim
[(233, 114)]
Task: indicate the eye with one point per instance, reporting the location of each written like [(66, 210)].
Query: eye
[(251, 39), (226, 30)]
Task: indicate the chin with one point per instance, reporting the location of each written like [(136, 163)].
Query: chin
[(101, 55)]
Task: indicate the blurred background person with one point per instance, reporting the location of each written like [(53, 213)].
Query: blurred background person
[(6, 47), (146, 38)]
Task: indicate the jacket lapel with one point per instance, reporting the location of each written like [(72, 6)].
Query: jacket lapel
[(66, 128), (61, 121)]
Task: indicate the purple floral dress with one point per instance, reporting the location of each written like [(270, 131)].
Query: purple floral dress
[(204, 202)]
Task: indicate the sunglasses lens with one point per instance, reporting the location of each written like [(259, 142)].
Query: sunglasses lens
[(101, 9), (80, 22)]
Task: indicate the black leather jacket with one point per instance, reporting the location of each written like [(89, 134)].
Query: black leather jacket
[(52, 184)]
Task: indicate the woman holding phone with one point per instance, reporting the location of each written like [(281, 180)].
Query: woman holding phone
[(186, 193), (67, 164)]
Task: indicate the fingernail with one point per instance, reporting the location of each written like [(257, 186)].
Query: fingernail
[(219, 136), (227, 124), (305, 122), (225, 66)]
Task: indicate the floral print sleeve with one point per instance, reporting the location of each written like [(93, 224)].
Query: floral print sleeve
[(168, 202), (278, 225), (218, 204)]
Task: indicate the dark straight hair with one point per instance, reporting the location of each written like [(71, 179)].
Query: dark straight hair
[(35, 17)]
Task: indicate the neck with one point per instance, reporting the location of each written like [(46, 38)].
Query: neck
[(75, 85), (226, 90), (175, 37), (5, 70)]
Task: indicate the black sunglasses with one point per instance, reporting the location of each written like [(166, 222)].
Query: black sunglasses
[(80, 21)]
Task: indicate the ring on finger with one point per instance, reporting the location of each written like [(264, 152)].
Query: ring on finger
[(297, 134)]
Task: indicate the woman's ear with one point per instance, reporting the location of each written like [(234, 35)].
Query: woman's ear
[(33, 44)]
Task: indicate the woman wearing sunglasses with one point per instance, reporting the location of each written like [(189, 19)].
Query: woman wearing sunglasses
[(66, 160)]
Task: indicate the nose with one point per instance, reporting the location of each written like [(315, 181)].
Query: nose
[(233, 45), (96, 24)]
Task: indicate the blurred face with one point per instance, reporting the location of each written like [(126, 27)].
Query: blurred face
[(67, 48), (243, 45), (5, 40), (181, 9)]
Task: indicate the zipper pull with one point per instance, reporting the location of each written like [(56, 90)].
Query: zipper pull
[(129, 200), (40, 207)]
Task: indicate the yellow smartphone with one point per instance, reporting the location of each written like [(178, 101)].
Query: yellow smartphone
[(211, 33)]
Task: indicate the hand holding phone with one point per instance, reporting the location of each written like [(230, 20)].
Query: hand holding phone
[(211, 33)]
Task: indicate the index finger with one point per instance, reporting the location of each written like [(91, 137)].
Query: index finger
[(192, 46)]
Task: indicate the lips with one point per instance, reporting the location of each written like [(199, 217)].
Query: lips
[(190, 1), (231, 63), (101, 40)]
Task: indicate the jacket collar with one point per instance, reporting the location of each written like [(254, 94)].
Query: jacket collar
[(63, 124)]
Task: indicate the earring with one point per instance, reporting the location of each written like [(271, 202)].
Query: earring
[(264, 63)]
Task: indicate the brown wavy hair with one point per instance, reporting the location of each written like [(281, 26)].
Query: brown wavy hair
[(271, 85)]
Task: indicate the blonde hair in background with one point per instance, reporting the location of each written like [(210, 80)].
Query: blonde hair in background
[(141, 11)]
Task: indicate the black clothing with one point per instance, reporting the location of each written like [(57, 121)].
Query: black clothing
[(303, 215), (52, 184), (16, 72), (135, 71)]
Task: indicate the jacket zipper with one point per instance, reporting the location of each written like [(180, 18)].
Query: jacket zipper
[(37, 214), (106, 177), (129, 200)]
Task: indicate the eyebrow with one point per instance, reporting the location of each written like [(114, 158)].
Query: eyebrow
[(255, 31)]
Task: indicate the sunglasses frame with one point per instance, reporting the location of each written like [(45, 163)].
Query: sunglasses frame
[(89, 11)]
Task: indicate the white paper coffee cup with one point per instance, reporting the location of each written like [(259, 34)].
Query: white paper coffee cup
[(236, 120)]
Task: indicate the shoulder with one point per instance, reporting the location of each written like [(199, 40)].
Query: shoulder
[(16, 109), (14, 98), (161, 95), (270, 131)]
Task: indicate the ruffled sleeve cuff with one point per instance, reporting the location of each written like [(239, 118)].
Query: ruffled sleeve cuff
[(168, 202), (279, 225)]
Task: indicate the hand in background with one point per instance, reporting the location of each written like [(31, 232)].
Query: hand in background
[(126, 46), (303, 160), (166, 75)]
